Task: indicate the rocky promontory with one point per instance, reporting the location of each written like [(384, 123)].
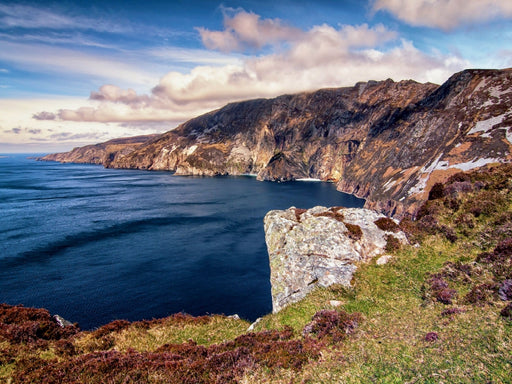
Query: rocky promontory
[(385, 141), (321, 246)]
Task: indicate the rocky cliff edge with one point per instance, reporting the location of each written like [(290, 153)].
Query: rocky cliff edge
[(321, 247)]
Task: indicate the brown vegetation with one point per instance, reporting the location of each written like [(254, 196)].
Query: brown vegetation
[(387, 224)]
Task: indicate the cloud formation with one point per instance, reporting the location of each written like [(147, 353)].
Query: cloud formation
[(30, 17), (15, 130), (44, 116), (248, 30), (445, 14), (323, 56)]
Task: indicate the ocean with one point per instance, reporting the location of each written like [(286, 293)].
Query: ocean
[(94, 245)]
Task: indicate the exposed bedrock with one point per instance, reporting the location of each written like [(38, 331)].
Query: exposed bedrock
[(320, 247)]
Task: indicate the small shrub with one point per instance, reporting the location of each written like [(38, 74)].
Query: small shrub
[(482, 294), (505, 290), (387, 224), (189, 350), (485, 203), (428, 224), (507, 312), (65, 347), (436, 192), (459, 271), (431, 337), (452, 203), (504, 218), (338, 216), (332, 325), (31, 325), (392, 244), (459, 177), (446, 295), (449, 233), (485, 208), (354, 231), (499, 260), (503, 250), (298, 212), (465, 221), (451, 312), (440, 290), (411, 229)]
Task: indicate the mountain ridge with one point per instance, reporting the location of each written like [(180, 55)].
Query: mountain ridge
[(385, 141)]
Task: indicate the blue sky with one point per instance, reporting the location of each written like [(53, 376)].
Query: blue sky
[(80, 72)]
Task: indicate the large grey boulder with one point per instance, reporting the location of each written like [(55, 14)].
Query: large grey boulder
[(319, 247)]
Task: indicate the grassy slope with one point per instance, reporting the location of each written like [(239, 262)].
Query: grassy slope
[(433, 314)]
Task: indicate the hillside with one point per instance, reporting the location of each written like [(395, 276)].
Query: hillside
[(387, 142), (439, 311)]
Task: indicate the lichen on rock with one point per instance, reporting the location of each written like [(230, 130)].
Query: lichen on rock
[(315, 247)]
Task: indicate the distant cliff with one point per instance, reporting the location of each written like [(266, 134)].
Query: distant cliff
[(103, 153), (386, 141)]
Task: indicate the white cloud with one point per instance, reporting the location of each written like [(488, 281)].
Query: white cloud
[(18, 126), (445, 14), (324, 57), (29, 17), (193, 56), (246, 29)]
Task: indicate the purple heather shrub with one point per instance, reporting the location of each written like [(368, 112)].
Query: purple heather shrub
[(431, 337), (505, 290)]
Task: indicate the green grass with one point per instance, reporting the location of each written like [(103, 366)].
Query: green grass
[(218, 330)]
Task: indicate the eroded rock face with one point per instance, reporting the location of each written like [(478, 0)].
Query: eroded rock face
[(387, 142), (319, 247)]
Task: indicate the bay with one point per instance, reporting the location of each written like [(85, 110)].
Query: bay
[(95, 245)]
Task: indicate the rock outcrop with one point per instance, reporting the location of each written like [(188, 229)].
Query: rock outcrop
[(321, 247), (386, 141)]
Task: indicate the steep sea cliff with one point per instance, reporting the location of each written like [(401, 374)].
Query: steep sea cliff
[(387, 142)]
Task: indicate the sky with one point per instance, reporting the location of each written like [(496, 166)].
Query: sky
[(80, 72)]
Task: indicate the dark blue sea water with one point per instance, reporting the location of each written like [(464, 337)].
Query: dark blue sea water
[(95, 244)]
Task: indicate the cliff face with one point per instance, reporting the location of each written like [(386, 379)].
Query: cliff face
[(387, 142), (103, 153)]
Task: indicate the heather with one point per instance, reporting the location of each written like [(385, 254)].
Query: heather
[(439, 311)]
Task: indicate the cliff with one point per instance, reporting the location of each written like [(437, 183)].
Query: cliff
[(103, 153), (387, 142)]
